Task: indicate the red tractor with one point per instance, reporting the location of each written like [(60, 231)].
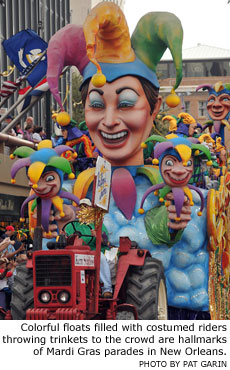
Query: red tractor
[(62, 283)]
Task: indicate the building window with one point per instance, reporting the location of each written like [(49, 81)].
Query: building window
[(162, 71), (195, 69), (164, 107), (187, 106), (202, 109)]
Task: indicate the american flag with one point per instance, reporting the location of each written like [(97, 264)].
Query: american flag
[(9, 87), (39, 90)]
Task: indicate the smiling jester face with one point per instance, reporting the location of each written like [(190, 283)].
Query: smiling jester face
[(118, 118), (174, 172), (218, 106), (48, 185)]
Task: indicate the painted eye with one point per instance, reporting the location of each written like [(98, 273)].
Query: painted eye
[(49, 178), (211, 100), (96, 105), (127, 98), (169, 162), (189, 163), (96, 100), (125, 104)]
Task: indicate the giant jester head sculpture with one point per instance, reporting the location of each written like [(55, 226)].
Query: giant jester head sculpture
[(118, 76)]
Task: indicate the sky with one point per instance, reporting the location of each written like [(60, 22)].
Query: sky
[(204, 21)]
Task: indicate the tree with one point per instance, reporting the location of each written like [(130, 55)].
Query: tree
[(77, 106)]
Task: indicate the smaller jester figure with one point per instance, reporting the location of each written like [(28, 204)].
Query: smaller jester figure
[(176, 163), (45, 170), (218, 107)]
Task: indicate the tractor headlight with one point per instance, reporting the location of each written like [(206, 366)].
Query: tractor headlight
[(45, 297), (64, 296)]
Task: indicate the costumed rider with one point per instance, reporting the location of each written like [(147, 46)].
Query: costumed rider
[(183, 125), (76, 139), (86, 231)]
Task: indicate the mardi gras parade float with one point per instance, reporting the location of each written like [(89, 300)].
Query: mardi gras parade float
[(167, 222)]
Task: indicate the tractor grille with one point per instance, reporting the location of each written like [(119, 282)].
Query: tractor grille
[(53, 270)]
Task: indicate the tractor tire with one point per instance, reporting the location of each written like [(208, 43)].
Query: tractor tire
[(22, 292), (146, 290), (2, 316), (125, 315)]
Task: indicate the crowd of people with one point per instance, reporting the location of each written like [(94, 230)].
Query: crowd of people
[(12, 253), (28, 131)]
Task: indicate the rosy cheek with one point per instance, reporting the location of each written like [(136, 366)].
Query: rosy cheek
[(92, 118), (41, 183)]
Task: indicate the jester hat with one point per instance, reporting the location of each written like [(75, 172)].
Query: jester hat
[(38, 161), (179, 124), (182, 148), (219, 147), (217, 89), (101, 49)]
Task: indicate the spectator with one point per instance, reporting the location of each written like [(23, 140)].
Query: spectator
[(18, 131), (7, 248), (7, 121), (38, 133), (29, 121), (2, 232), (5, 274), (7, 245), (10, 234), (28, 133)]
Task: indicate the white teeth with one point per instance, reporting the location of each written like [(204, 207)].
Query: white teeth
[(114, 136), (178, 179)]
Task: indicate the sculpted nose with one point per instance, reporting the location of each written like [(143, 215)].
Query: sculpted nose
[(179, 169), (217, 103), (110, 119)]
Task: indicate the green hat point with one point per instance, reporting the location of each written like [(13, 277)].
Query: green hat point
[(154, 33)]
